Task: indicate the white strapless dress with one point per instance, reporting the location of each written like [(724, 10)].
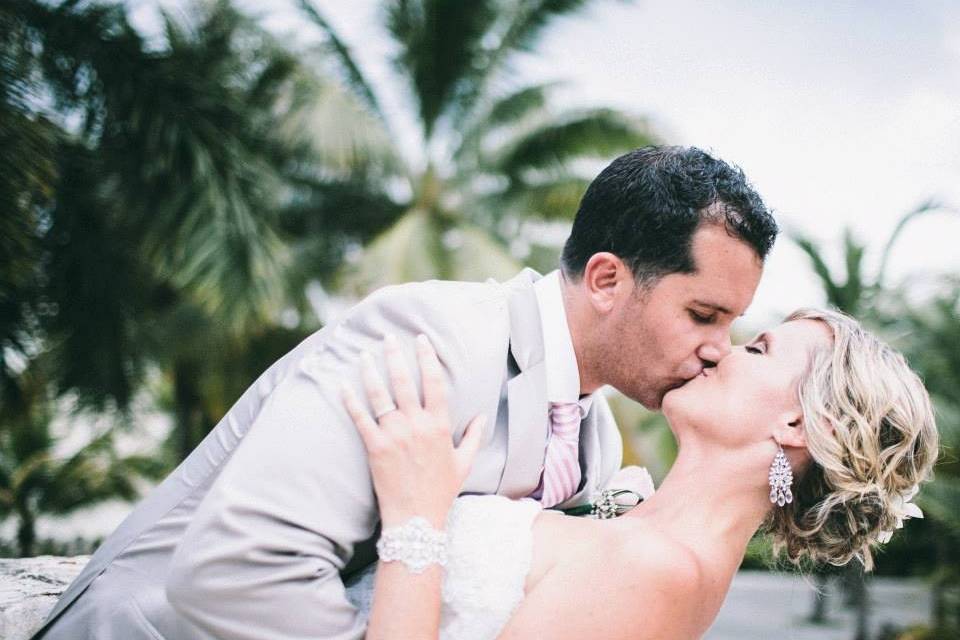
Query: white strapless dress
[(489, 550)]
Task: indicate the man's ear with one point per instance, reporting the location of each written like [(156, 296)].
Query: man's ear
[(606, 279), (791, 430)]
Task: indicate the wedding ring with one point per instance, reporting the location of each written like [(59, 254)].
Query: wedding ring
[(385, 410)]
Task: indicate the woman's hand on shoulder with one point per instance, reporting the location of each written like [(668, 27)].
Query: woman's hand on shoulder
[(416, 469)]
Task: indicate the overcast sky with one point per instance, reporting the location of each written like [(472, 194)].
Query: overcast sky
[(841, 113)]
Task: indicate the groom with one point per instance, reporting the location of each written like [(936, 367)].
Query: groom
[(253, 533)]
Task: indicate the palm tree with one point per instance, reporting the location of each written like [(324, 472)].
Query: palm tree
[(27, 171), (932, 333), (492, 156), (34, 481), (183, 193), (857, 293)]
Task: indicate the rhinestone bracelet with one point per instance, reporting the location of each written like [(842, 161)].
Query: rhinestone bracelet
[(415, 543)]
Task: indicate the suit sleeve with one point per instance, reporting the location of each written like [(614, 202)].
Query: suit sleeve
[(263, 554)]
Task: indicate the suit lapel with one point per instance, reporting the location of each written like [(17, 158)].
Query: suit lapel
[(527, 426), (526, 433)]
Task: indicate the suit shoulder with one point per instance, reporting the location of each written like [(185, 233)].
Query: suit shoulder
[(467, 321), (443, 294), (468, 307)]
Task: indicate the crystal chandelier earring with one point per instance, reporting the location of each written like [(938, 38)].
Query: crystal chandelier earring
[(781, 477)]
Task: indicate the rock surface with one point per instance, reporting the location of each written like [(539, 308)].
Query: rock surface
[(29, 587)]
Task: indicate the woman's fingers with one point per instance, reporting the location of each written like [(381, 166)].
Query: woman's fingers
[(380, 400), (432, 377), (369, 431), (404, 390), (470, 443)]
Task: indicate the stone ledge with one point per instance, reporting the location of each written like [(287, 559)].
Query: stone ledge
[(29, 587)]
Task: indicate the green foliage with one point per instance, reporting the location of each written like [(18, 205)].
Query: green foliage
[(852, 295), (162, 196), (35, 481), (496, 156)]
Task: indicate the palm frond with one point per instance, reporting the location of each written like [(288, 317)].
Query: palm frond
[(96, 473), (204, 183), (530, 19), (441, 50), (924, 208), (354, 76), (855, 287), (326, 218), (410, 250), (597, 134), (820, 268), (940, 500), (98, 301), (517, 30), (514, 106), (334, 133), (551, 200), (506, 110)]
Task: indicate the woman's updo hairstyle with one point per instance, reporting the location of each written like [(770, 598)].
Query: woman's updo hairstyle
[(871, 434)]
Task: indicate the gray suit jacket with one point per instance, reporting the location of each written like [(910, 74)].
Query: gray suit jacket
[(250, 536)]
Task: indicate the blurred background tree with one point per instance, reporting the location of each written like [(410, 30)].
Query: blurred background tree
[(174, 200), (493, 156), (161, 202), (35, 481)]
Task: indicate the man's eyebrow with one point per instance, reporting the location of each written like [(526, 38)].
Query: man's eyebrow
[(714, 306)]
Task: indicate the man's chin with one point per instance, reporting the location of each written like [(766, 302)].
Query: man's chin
[(672, 389), (652, 400)]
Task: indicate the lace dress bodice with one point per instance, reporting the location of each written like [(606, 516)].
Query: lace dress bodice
[(489, 550)]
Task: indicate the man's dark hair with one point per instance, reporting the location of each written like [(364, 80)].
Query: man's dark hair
[(647, 204)]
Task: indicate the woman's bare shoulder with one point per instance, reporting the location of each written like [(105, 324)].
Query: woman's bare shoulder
[(654, 552), (644, 586)]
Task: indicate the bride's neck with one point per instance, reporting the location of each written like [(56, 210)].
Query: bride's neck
[(711, 497)]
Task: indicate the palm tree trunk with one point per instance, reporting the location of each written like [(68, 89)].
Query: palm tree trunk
[(26, 532), (187, 408), (940, 583), (821, 596), (858, 597)]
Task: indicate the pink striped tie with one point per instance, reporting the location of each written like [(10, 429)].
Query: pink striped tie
[(561, 466)]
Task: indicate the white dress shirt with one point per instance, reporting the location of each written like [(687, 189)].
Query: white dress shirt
[(560, 360)]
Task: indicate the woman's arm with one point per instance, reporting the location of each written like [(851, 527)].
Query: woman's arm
[(417, 472)]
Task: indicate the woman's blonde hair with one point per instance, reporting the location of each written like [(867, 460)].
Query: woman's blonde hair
[(871, 433)]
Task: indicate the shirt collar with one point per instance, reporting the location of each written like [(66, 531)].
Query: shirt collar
[(560, 360)]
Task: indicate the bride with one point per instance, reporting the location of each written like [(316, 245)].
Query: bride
[(814, 430)]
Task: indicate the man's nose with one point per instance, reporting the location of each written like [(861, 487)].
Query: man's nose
[(716, 350)]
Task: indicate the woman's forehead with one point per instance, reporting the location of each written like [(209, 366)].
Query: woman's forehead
[(803, 334)]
